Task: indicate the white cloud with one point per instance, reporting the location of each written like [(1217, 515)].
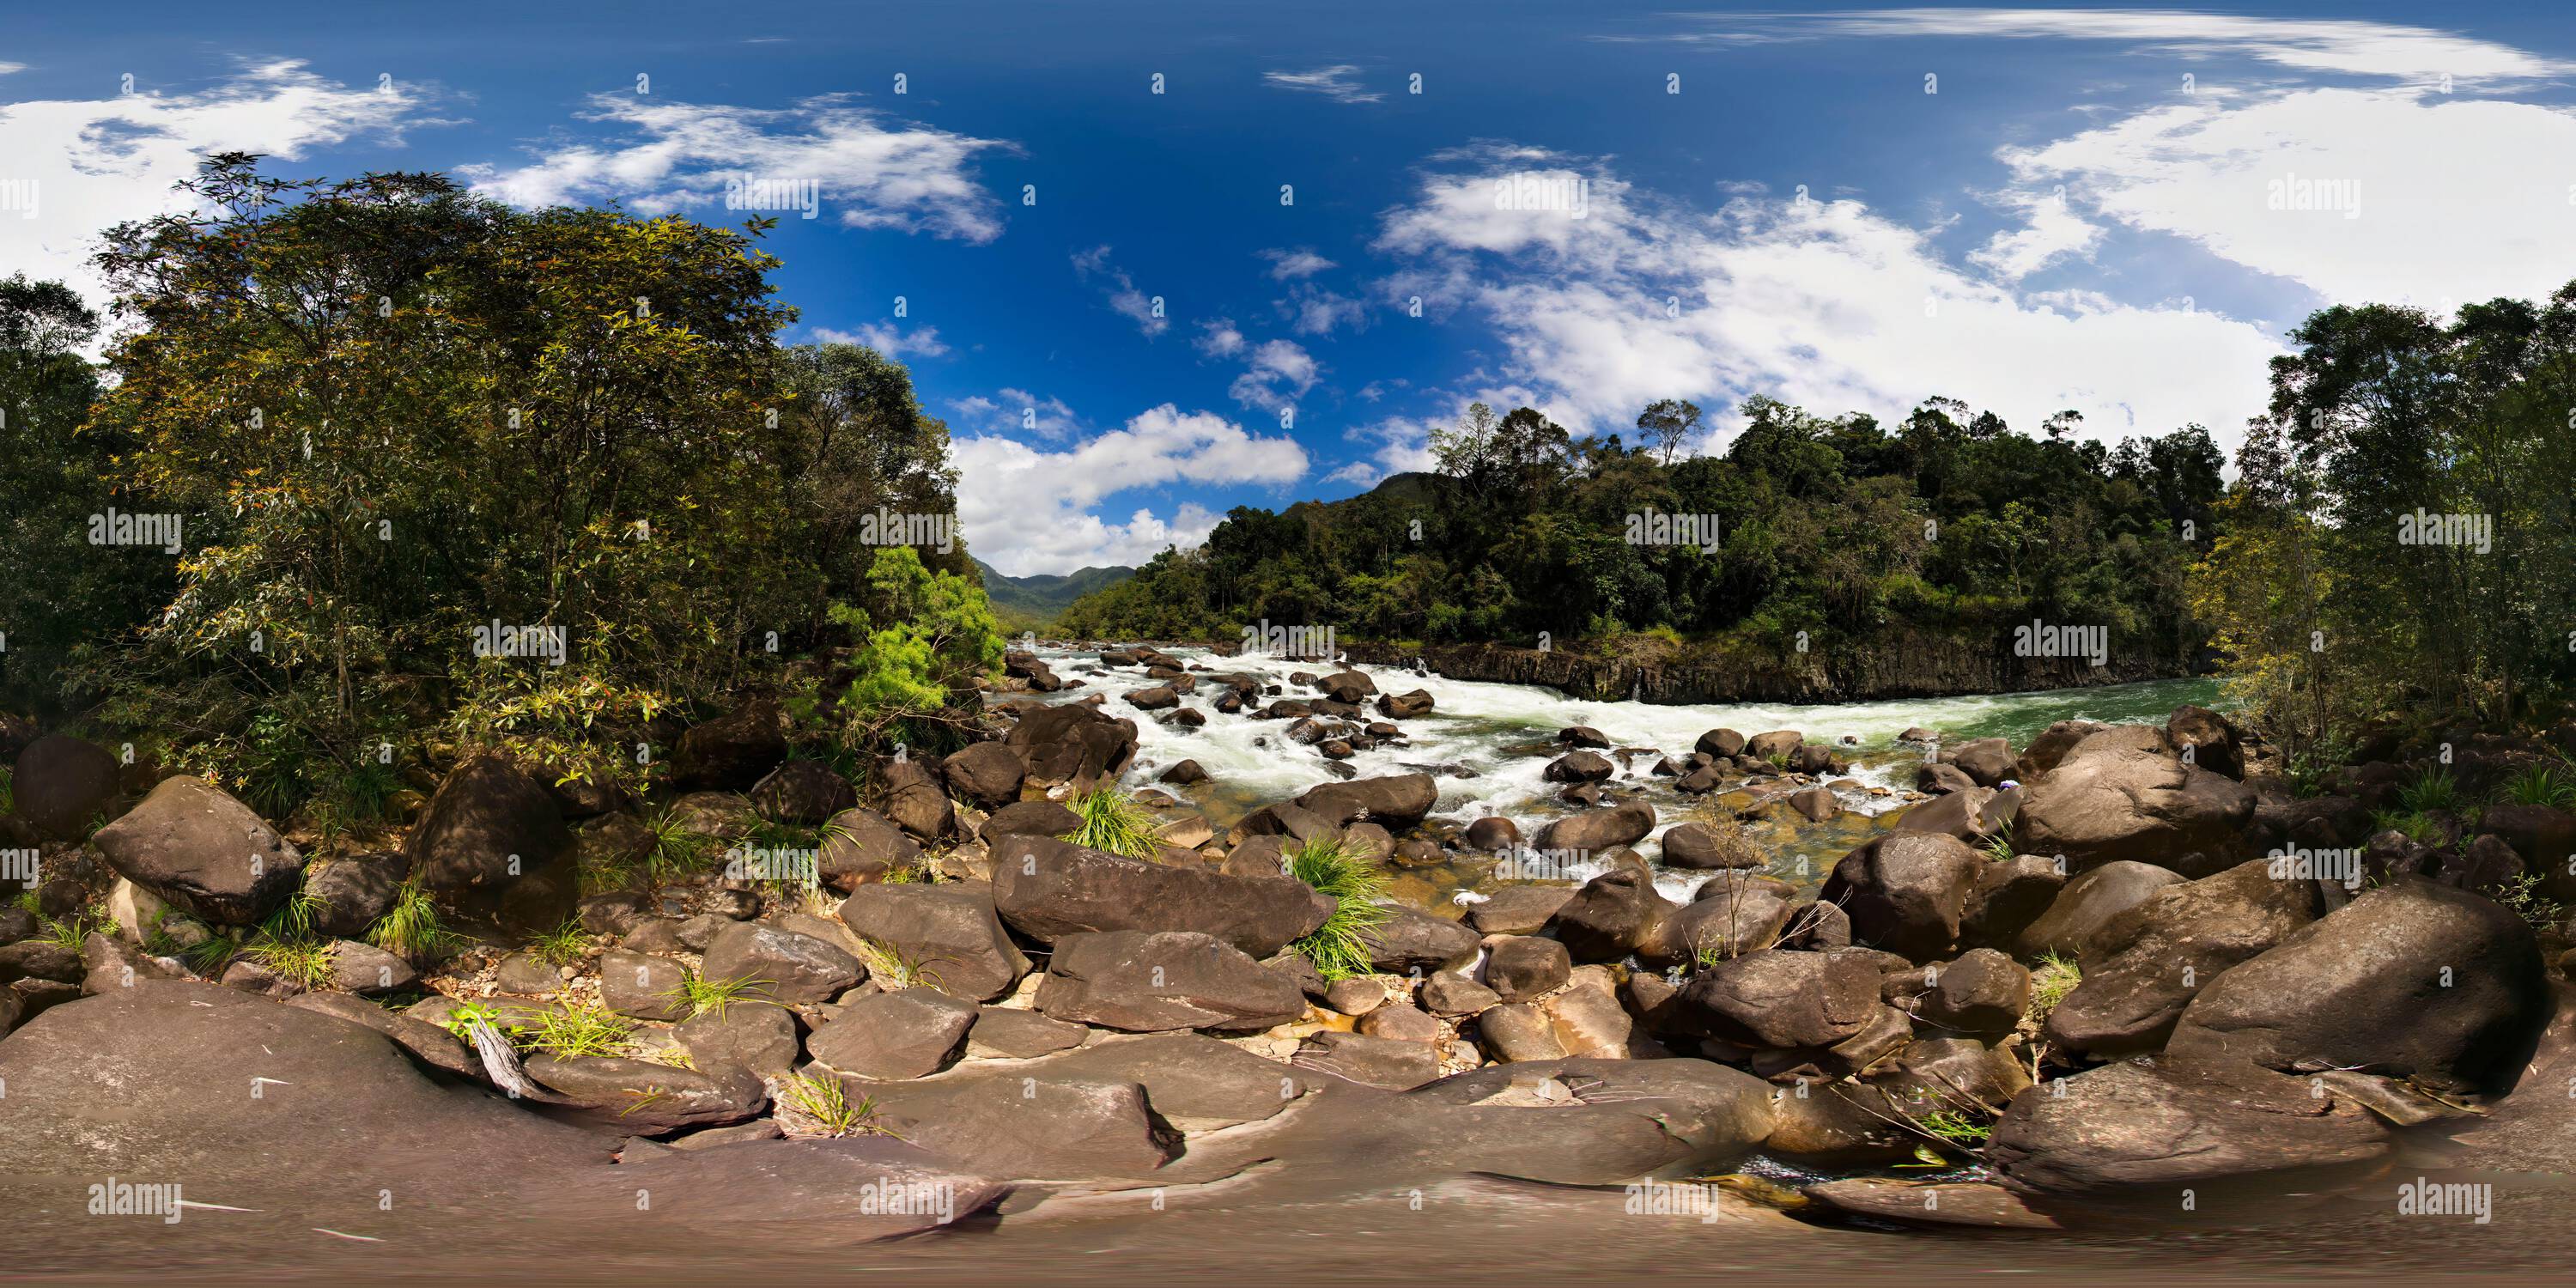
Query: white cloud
[(95, 163), (1311, 310), (2051, 231), (1276, 374), (869, 171), (1027, 510), (1289, 265), (1124, 298), (1402, 445), (1824, 304), (2449, 201), (1338, 83), (1219, 338), (7, 68), (885, 338), (2346, 46), (1016, 411)]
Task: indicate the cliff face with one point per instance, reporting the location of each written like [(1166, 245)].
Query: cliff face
[(1913, 666)]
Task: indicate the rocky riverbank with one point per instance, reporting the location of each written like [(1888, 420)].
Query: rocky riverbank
[(2068, 979)]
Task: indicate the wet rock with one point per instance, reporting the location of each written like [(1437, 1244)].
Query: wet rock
[(2205, 738), (1160, 697), (1410, 942), (1937, 778), (2412, 980), (2171, 1121), (1815, 804), (1602, 829), (1143, 982), (891, 1036), (1578, 767), (1072, 741), (1405, 706), (203, 852), (1774, 745), (1049, 889), (2146, 964), (1183, 774), (950, 932), (783, 965), (1395, 802)]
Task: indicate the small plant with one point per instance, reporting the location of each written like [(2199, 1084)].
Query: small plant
[(2000, 849), (1113, 821), (561, 946), (1779, 761), (2433, 791), (410, 928), (71, 930), (2539, 785), (899, 969), (2415, 826), (828, 1106), (209, 957), (711, 996), (2522, 894), (676, 850), (1956, 1129), (570, 1031), (1338, 947), (293, 919), (462, 1017), (2056, 977), (305, 961)]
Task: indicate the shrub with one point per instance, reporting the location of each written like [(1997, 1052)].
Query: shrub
[(1113, 821), (1333, 867)]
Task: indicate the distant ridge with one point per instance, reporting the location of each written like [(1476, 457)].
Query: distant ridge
[(1033, 600)]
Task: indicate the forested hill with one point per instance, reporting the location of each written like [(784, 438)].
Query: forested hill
[(1036, 600), (1839, 528)]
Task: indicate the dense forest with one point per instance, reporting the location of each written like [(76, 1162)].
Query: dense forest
[(1835, 527)]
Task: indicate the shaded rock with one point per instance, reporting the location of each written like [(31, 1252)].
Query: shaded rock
[(950, 933), (2205, 738), (488, 826), (1906, 892), (861, 845), (641, 985), (652, 1099), (2174, 1120), (2007, 898), (1776, 998), (2147, 963), (203, 852), (732, 752), (1183, 774), (61, 783), (1072, 741), (1982, 994), (783, 966), (1937, 778), (2051, 745), (2087, 903), (915, 799), (803, 791), (351, 892), (1030, 818), (1962, 1204), (1520, 967), (1986, 761), (1611, 916), (365, 968)]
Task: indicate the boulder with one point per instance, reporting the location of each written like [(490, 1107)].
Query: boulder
[(1409, 941), (1146, 981), (351, 892), (2087, 903), (1395, 802), (1982, 994), (1183, 774), (203, 852), (2007, 898), (1595, 830), (2123, 794), (1776, 998), (1936, 778), (1158, 697), (489, 825), (1036, 1124), (1071, 741), (365, 968), (1720, 744), (802, 791), (643, 985), (1452, 994), (1348, 686), (1492, 832), (1728, 915), (1390, 1063), (1611, 916), (2052, 744), (1699, 847), (1010, 1033), (1401, 1023), (2412, 980), (1518, 909), (1986, 761), (2174, 1121), (1578, 767), (1029, 818), (1768, 747), (650, 1099), (1405, 706), (61, 783), (1048, 889), (755, 1035), (891, 1036), (784, 966), (1521, 967), (1906, 892), (731, 752), (915, 799), (2146, 964), (950, 932), (2205, 738), (861, 845)]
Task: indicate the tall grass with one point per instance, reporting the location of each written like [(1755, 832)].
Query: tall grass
[(411, 928), (1331, 866), (2539, 785), (1113, 821), (2433, 791)]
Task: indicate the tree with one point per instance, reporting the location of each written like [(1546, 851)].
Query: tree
[(1667, 423)]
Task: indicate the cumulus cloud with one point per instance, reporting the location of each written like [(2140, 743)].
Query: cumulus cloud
[(1829, 304), (1124, 298), (1276, 374), (1289, 265), (2051, 231), (1219, 338), (79, 166), (1311, 310), (1028, 510), (1015, 411), (1339, 83), (1396, 445), (862, 167), (886, 338)]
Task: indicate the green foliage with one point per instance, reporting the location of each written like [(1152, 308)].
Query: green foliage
[(2000, 849), (711, 996), (305, 961), (8, 790), (2523, 894), (897, 968), (676, 850), (1957, 1128), (1113, 821), (70, 931), (210, 955), (561, 946), (2432, 791), (2540, 784), (411, 928), (2415, 825), (293, 919), (922, 636), (1333, 867), (2055, 977), (583, 1029), (825, 1104)]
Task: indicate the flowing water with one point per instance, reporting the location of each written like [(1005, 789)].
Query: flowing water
[(1488, 746)]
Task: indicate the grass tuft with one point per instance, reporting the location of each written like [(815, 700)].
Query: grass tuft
[(826, 1104), (410, 928), (711, 996), (2432, 792), (1336, 947), (304, 961), (2056, 977), (676, 851), (2539, 785), (561, 946), (590, 1029), (1113, 821)]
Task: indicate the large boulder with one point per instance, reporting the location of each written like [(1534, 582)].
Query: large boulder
[(2144, 966), (1699, 847), (1986, 761), (2174, 1121), (912, 1033), (2123, 794), (1727, 916), (1579, 767), (1613, 915), (1776, 998), (860, 846), (913, 796), (1029, 818), (2203, 737), (732, 752), (1774, 745), (1348, 686), (489, 825), (1048, 889), (1148, 981), (61, 783), (987, 773), (1072, 741), (1906, 892), (1040, 1125), (1407, 941), (781, 965), (2052, 744), (204, 852), (802, 791), (2087, 903), (1405, 706), (350, 892), (1595, 830), (653, 1099), (2412, 980), (950, 932), (1395, 802), (1720, 744), (1982, 994)]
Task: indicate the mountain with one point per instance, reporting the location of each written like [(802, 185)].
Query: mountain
[(1033, 601)]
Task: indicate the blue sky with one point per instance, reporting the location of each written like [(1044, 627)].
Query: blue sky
[(2118, 211)]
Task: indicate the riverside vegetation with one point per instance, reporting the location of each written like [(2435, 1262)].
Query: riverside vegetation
[(528, 788)]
